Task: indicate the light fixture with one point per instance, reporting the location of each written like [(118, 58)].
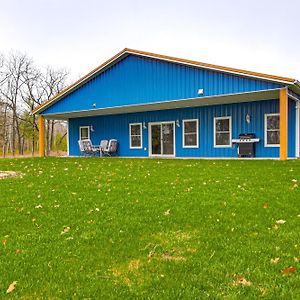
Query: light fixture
[(200, 92), (144, 125), (177, 123), (248, 118), (92, 128)]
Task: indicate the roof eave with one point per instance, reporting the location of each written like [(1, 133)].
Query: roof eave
[(127, 51)]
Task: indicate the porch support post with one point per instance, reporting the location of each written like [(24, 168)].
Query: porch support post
[(41, 124), (283, 126)]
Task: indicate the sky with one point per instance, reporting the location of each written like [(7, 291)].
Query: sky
[(79, 35)]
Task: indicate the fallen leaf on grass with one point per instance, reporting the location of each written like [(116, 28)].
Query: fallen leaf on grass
[(266, 205), (66, 230), (167, 212), (263, 290), (296, 259), (289, 270), (241, 280), (4, 242), (280, 222), (11, 287), (166, 256), (275, 260)]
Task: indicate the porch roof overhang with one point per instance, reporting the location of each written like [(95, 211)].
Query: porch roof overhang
[(170, 104)]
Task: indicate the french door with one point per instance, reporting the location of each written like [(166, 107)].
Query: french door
[(162, 139)]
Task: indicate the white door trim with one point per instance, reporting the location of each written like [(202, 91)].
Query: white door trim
[(150, 139)]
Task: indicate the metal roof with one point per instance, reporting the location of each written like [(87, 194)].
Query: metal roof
[(121, 55)]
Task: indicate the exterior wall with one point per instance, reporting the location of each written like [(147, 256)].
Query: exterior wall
[(117, 126), (137, 79)]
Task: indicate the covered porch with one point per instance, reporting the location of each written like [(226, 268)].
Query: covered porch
[(141, 113)]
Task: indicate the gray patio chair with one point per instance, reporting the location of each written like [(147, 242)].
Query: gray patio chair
[(112, 148), (87, 148), (103, 146), (81, 147)]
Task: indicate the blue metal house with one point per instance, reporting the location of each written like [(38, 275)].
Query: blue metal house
[(157, 105)]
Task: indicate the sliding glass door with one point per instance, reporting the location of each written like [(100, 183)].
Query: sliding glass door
[(162, 139)]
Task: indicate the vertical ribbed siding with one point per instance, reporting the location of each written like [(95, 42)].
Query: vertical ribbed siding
[(137, 79), (107, 127)]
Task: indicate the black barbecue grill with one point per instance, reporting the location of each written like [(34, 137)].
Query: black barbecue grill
[(246, 144)]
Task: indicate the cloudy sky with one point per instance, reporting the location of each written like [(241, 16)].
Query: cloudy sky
[(258, 35)]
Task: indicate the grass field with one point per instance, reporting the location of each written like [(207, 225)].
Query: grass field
[(90, 228)]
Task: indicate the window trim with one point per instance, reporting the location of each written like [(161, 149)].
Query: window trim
[(89, 134), (141, 135), (197, 133), (266, 130), (230, 132)]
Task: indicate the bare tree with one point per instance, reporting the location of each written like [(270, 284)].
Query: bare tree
[(54, 81), (15, 68), (22, 88)]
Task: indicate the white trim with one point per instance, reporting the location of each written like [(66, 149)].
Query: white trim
[(150, 139), (297, 141), (82, 127), (265, 131), (197, 133), (141, 135), (230, 132), (68, 141)]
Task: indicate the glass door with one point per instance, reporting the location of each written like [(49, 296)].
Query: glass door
[(156, 139), (168, 139), (162, 139)]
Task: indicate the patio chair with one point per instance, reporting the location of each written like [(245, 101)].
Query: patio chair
[(103, 146), (112, 148), (87, 148)]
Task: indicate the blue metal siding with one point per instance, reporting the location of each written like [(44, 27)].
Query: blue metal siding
[(292, 129), (136, 80), (117, 126)]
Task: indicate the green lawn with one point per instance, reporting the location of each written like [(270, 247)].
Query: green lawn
[(91, 228)]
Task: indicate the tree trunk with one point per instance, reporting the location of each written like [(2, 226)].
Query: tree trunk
[(33, 136)]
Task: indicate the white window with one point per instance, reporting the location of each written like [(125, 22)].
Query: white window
[(135, 136), (272, 132), (190, 133), (84, 132), (222, 132)]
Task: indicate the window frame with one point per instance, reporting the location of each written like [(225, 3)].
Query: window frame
[(230, 132), (266, 130), (184, 133), (89, 132), (141, 135)]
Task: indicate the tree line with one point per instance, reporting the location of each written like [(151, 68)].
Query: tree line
[(24, 86)]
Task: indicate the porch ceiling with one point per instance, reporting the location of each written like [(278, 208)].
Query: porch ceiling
[(171, 104)]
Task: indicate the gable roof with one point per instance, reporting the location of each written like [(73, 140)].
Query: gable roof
[(125, 52)]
